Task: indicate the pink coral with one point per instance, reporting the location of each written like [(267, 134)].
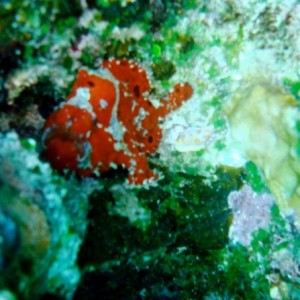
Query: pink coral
[(250, 212)]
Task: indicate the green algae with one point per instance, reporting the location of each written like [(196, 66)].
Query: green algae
[(125, 49), (255, 177), (183, 252), (188, 226), (163, 70), (156, 50), (294, 87)]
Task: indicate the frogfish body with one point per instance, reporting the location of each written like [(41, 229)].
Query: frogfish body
[(107, 121)]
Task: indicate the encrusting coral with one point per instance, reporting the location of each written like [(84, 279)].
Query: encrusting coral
[(250, 212), (107, 121), (262, 120)]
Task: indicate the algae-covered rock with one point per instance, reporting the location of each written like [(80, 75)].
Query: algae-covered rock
[(42, 223), (168, 239), (163, 70), (162, 241)]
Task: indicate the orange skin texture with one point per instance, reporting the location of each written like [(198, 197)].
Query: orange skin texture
[(73, 134)]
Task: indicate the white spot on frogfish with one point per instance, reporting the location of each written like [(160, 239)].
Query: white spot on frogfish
[(82, 100), (103, 103)]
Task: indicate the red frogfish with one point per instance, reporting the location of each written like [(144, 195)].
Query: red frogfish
[(107, 121)]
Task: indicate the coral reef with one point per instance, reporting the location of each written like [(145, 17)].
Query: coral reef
[(224, 205)]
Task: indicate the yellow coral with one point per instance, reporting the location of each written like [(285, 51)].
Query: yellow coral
[(262, 121)]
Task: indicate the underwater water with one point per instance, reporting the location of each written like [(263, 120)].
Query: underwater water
[(149, 149)]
